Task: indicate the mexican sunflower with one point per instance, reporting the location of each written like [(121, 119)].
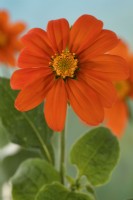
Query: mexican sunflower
[(64, 65), (116, 117), (9, 42)]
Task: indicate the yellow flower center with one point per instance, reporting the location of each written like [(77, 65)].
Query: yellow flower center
[(3, 39), (64, 65), (123, 88)]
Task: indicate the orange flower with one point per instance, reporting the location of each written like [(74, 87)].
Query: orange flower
[(69, 65), (9, 43), (116, 117)]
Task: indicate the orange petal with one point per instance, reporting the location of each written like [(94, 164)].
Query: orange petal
[(33, 94), (107, 67), (116, 118), (16, 44), (17, 28), (7, 56), (4, 17), (103, 88), (24, 77), (58, 32), (84, 101), (56, 105), (130, 81), (84, 32), (122, 49), (105, 42), (28, 59), (37, 41)]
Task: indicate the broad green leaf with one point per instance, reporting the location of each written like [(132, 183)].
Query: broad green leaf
[(95, 155), (90, 189), (15, 160), (28, 129), (2, 175), (57, 191), (3, 136), (9, 164), (2, 179), (31, 176), (1, 198)]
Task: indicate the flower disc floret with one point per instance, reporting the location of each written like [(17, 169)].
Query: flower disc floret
[(64, 65)]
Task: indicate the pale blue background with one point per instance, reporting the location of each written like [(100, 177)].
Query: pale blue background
[(117, 16)]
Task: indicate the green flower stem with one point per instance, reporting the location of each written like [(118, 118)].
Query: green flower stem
[(62, 155)]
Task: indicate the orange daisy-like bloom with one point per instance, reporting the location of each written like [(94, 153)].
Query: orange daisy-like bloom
[(9, 43), (69, 65), (117, 116)]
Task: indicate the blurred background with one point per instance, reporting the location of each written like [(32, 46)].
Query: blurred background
[(117, 15)]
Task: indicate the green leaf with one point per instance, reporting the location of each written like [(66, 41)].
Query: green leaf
[(31, 176), (90, 189), (95, 155), (28, 129), (3, 136), (57, 191), (15, 160)]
